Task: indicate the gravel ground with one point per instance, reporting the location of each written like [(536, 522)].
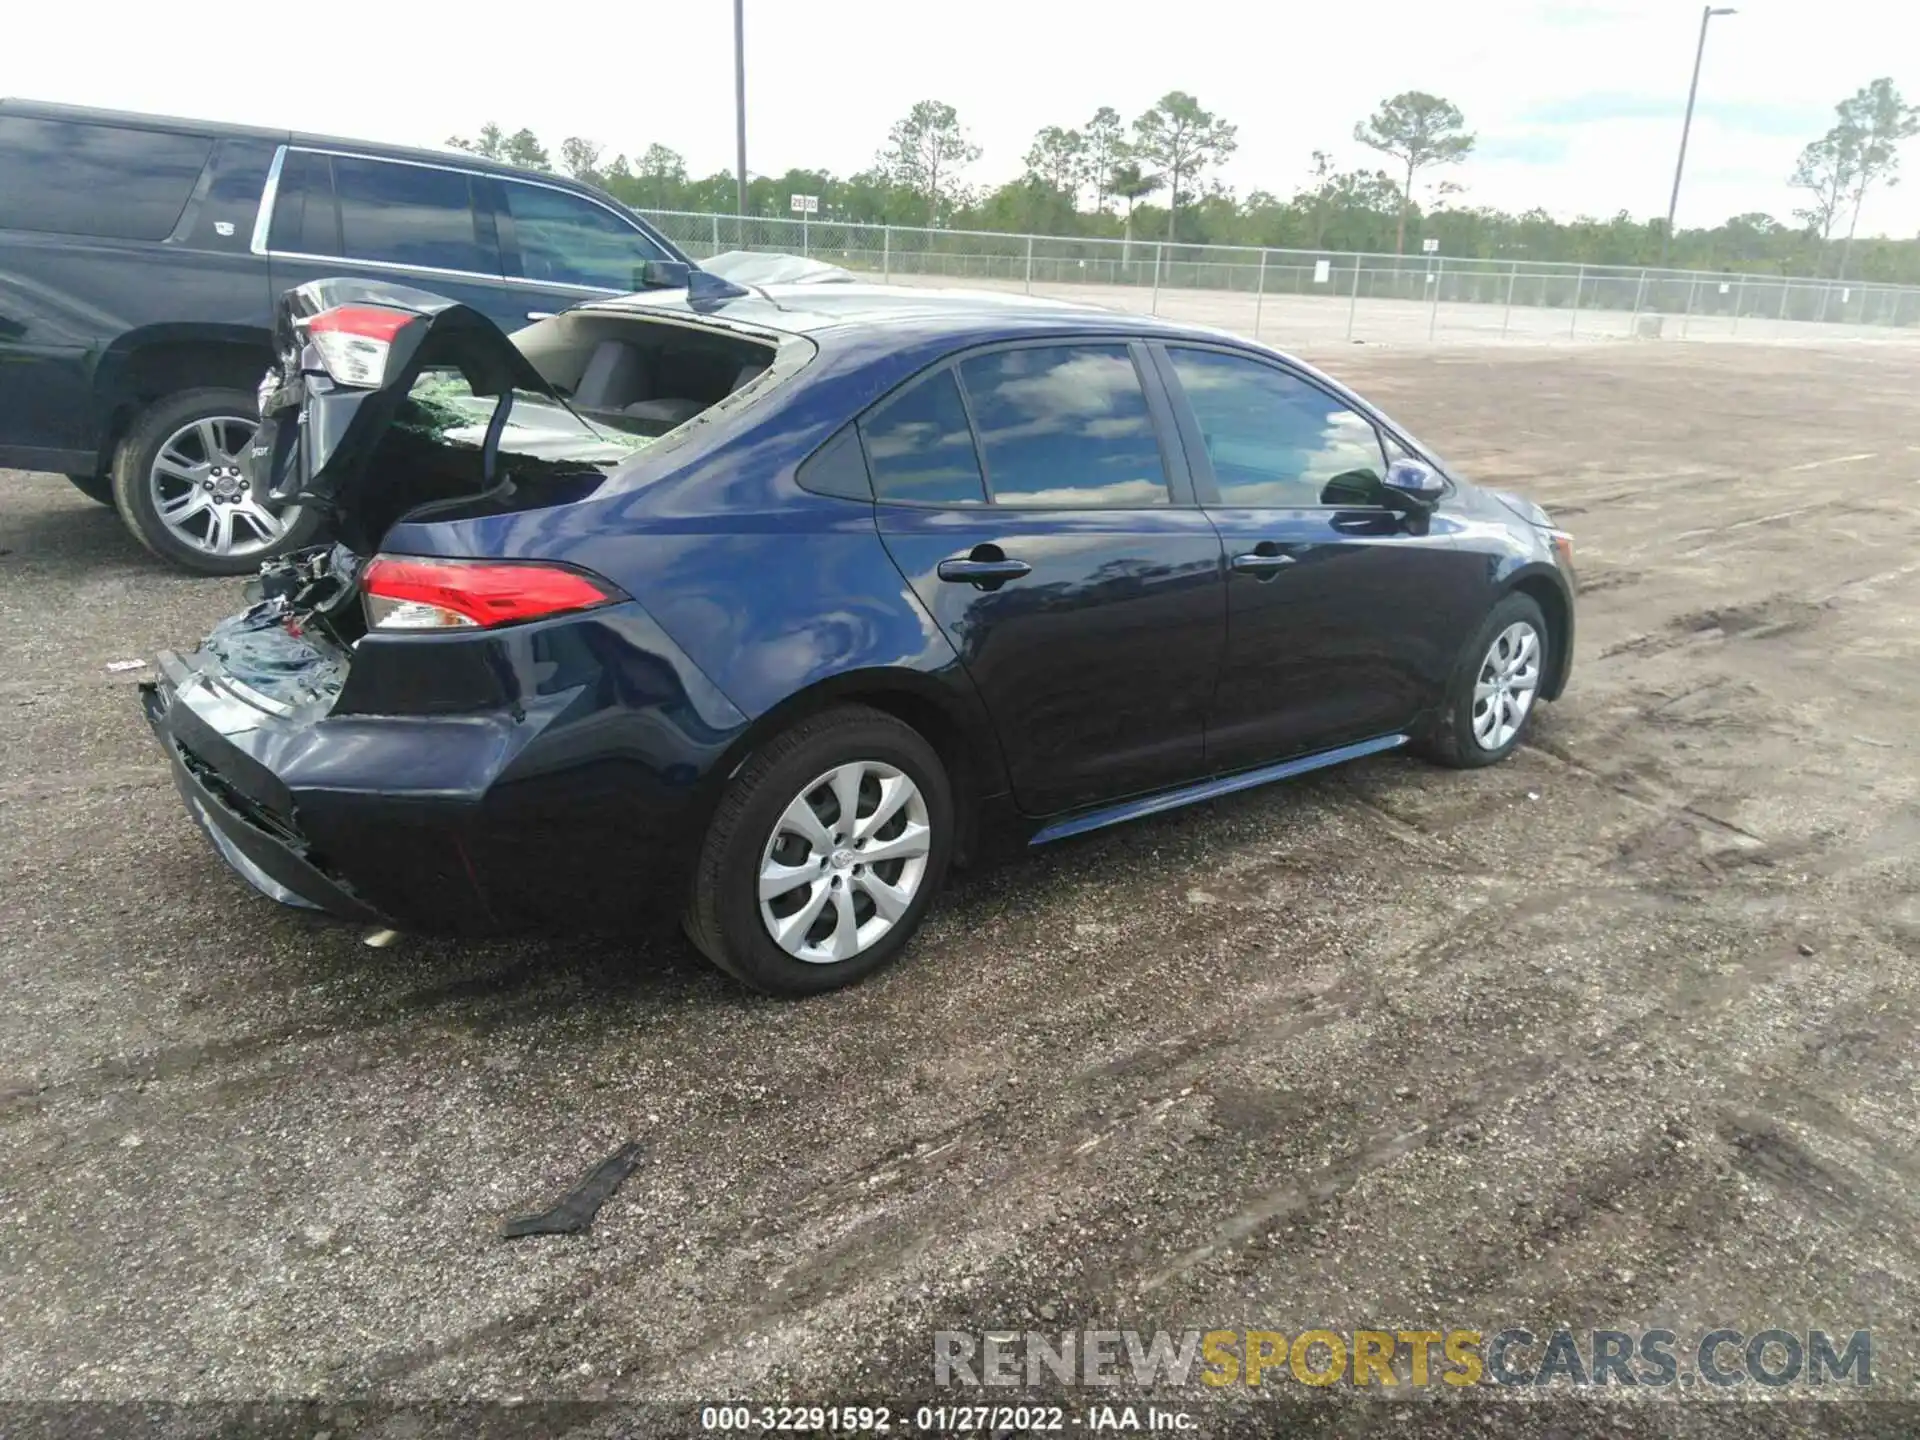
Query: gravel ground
[(1618, 1034)]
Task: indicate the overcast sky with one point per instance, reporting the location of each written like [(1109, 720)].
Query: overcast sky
[(1577, 105)]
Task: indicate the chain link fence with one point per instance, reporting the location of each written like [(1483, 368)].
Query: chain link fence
[(1291, 296)]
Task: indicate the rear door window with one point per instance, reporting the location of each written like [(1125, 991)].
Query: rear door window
[(568, 240), (103, 180), (920, 447), (408, 215), (1065, 425)]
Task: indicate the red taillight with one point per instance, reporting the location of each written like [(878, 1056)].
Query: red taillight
[(403, 593), (354, 340), (375, 322)]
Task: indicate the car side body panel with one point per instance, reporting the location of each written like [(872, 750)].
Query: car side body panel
[(1354, 637), (1098, 665)]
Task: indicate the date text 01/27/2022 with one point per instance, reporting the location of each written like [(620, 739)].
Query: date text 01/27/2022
[(943, 1419)]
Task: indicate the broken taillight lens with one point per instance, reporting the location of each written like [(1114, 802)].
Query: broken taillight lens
[(354, 341), (402, 592)]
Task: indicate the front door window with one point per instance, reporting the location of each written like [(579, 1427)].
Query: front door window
[(568, 240)]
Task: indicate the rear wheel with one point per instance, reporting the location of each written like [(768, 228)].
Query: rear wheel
[(1490, 701), (94, 487), (181, 486), (823, 854)]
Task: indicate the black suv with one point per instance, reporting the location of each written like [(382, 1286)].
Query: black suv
[(140, 259)]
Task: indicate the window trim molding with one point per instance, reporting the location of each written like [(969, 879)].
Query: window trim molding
[(269, 197)]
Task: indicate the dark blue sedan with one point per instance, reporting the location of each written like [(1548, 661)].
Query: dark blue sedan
[(774, 602)]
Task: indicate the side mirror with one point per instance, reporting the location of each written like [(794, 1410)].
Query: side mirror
[(660, 275), (1412, 487)]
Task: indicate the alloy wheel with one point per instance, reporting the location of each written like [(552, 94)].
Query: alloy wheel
[(202, 494), (844, 862), (1504, 690)]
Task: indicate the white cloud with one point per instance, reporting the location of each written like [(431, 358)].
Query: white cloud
[(826, 79)]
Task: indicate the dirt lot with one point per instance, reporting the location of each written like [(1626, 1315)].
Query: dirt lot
[(1620, 1034)]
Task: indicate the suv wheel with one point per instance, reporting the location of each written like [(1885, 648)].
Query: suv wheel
[(823, 854), (179, 482)]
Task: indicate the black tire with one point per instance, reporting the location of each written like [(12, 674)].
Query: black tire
[(1450, 739), (133, 497), (94, 487), (723, 912)]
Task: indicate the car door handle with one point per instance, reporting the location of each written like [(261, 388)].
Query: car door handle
[(1255, 562), (977, 572), (540, 314)]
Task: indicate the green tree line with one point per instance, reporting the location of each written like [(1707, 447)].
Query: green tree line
[(1154, 180)]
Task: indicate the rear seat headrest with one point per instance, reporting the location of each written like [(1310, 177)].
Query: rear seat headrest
[(614, 378)]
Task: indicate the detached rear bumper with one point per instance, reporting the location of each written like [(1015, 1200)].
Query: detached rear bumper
[(254, 829)]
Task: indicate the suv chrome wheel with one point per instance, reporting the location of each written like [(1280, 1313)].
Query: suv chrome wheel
[(844, 861), (1504, 689), (201, 493)]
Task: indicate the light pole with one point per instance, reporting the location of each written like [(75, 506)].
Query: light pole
[(740, 102), (1706, 14)]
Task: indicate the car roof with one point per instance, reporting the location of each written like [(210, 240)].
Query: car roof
[(832, 311), (466, 160)]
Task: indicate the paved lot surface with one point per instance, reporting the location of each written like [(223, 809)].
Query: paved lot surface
[(1618, 1034), (1293, 317)]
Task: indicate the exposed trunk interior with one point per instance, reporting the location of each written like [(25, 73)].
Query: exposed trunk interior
[(390, 402), (465, 422), (629, 380), (641, 375)]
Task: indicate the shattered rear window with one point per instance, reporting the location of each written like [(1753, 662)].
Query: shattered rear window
[(441, 407)]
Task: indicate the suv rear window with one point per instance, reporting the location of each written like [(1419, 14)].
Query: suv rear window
[(110, 181), (408, 215)]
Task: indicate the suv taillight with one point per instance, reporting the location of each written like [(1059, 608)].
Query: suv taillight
[(353, 341), (402, 592)]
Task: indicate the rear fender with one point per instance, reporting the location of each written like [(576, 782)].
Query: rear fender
[(943, 707), (155, 361), (906, 693)]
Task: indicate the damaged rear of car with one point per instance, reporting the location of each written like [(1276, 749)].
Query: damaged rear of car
[(390, 735)]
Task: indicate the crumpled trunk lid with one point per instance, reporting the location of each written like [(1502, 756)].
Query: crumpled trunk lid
[(320, 433)]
